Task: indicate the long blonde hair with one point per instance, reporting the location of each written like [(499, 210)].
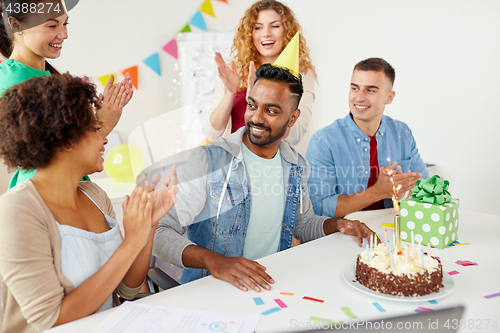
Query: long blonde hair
[(243, 50)]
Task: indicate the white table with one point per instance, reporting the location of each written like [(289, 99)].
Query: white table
[(315, 269)]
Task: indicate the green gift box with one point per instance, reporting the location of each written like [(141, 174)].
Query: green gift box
[(436, 224), (430, 213)]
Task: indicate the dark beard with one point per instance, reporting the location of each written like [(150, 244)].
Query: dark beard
[(271, 139)]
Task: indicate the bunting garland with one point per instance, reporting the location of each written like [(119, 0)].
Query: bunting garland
[(153, 61), (207, 8), (171, 48), (132, 71), (198, 21), (187, 28), (105, 78)]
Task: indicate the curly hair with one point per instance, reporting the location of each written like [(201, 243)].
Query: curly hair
[(243, 50), (42, 115)]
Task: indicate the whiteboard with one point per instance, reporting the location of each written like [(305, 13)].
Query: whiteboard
[(197, 68)]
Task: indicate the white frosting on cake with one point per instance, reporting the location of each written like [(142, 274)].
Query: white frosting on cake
[(381, 261)]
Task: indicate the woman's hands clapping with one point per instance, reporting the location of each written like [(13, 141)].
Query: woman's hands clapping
[(147, 204)]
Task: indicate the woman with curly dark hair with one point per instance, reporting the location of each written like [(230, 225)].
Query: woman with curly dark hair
[(263, 32), (28, 38), (62, 255)]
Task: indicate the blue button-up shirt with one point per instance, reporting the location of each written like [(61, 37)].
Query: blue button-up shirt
[(339, 156)]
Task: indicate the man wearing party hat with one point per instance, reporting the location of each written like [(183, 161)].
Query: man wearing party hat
[(350, 158), (245, 196)]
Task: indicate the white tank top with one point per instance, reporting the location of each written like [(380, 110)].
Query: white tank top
[(83, 252)]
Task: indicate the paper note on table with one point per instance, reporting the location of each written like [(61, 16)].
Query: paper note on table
[(136, 317)]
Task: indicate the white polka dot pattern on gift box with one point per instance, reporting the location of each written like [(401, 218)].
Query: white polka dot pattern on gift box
[(431, 223)]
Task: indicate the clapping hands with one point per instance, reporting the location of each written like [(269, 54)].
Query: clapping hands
[(112, 101)]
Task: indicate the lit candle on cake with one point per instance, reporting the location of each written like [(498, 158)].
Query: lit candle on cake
[(422, 255), (397, 218), (407, 253), (367, 253), (392, 262), (412, 244), (428, 249)]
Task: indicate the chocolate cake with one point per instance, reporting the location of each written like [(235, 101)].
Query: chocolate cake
[(402, 277)]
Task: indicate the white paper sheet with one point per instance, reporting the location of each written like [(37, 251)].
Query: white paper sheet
[(135, 317)]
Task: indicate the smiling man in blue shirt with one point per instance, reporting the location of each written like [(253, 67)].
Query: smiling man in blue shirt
[(349, 159)]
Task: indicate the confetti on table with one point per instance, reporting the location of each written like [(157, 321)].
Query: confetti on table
[(265, 313), (348, 312), (453, 273), (433, 302), (322, 320), (456, 243), (493, 295), (280, 303), (312, 299), (425, 309), (421, 309), (289, 294), (258, 301), (378, 306), (466, 263), (391, 225)]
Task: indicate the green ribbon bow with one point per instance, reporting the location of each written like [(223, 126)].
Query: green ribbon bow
[(432, 190)]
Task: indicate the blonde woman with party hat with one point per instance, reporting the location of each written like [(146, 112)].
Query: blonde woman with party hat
[(262, 33)]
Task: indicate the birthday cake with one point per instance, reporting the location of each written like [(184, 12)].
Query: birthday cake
[(399, 275)]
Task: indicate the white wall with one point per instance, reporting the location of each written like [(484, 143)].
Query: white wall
[(446, 54)]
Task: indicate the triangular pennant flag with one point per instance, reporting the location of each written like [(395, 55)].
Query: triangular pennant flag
[(289, 57), (105, 78), (207, 8), (132, 71), (171, 48), (198, 21), (187, 28), (153, 62)]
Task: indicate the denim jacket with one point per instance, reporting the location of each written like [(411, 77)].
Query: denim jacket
[(339, 156), (218, 171)]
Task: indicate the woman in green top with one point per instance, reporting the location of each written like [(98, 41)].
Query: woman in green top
[(27, 39)]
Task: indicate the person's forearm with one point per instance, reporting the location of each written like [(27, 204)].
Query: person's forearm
[(141, 265), (347, 204), (88, 297), (330, 226), (198, 257), (220, 116)]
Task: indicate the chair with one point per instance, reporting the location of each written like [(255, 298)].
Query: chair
[(158, 279)]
